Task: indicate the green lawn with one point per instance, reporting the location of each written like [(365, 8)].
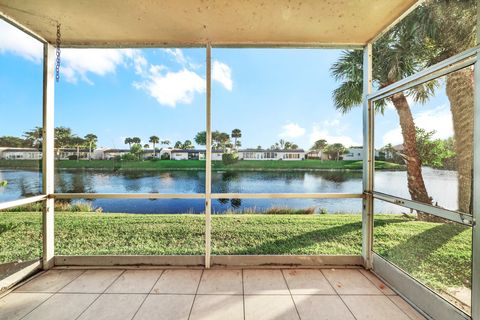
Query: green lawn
[(200, 165), (437, 254)]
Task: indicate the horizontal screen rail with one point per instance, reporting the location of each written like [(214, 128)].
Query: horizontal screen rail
[(128, 196), (440, 69), (203, 195), (21, 202), (287, 195), (455, 216)]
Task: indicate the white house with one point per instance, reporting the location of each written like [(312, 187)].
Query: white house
[(194, 154), (20, 154), (267, 154), (108, 154), (356, 153), (36, 154)]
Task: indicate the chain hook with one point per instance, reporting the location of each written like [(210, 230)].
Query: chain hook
[(57, 64)]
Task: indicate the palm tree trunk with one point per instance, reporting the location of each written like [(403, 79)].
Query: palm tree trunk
[(460, 92), (416, 185)]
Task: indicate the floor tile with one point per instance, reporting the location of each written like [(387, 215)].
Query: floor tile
[(135, 281), (16, 305), (92, 281), (349, 281), (114, 307), (307, 281), (217, 307), (178, 281), (50, 281), (408, 309), (267, 307), (221, 282), (377, 282), (322, 307), (271, 281), (62, 306), (165, 307), (374, 308)]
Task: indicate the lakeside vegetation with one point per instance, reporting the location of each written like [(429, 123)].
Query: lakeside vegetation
[(436, 253), (200, 165)]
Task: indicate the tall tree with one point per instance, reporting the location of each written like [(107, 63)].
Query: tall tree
[(336, 150), (236, 134), (91, 140), (319, 146), (201, 138), (128, 141), (34, 137), (154, 140), (396, 55), (449, 27), (136, 140)]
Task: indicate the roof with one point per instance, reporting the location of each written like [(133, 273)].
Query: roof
[(194, 151), (144, 23), (272, 150)]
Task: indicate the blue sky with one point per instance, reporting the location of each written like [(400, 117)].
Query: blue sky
[(269, 94)]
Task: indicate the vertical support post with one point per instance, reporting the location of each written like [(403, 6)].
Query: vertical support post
[(476, 185), (48, 154), (208, 164), (368, 160)]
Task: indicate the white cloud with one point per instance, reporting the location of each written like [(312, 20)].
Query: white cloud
[(223, 74), (171, 88), (177, 54), (78, 63), (438, 119), (334, 132), (12, 40), (292, 130)]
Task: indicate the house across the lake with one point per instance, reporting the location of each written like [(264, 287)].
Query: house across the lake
[(268, 154), (356, 154), (36, 154), (194, 154)]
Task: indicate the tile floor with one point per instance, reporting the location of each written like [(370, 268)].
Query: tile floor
[(255, 294)]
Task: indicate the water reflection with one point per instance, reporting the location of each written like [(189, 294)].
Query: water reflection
[(442, 186)]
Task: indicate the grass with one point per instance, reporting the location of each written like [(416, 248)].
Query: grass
[(200, 165), (437, 254)]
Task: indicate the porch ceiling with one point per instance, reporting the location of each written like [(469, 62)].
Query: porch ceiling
[(139, 23)]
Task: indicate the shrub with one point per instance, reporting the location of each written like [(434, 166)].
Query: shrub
[(229, 158), (165, 156)]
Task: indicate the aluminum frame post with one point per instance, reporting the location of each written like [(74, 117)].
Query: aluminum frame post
[(208, 163), (48, 154), (368, 160), (476, 185)]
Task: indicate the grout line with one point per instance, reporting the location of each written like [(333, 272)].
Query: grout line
[(389, 295), (346, 305), (196, 292), (100, 294), (243, 296), (325, 277), (291, 296), (331, 284), (379, 289), (401, 309), (53, 294), (148, 293), (338, 295)]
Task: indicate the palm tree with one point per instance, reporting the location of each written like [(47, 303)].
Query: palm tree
[(91, 140), (136, 140), (319, 146), (396, 55), (236, 134), (154, 140), (34, 137), (449, 27), (129, 142)]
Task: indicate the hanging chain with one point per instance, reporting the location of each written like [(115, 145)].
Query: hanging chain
[(57, 64)]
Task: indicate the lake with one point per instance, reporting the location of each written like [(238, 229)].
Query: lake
[(441, 185)]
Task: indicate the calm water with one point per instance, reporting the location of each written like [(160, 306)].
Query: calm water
[(441, 185)]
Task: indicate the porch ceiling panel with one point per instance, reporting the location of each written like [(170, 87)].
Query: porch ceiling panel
[(139, 23)]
